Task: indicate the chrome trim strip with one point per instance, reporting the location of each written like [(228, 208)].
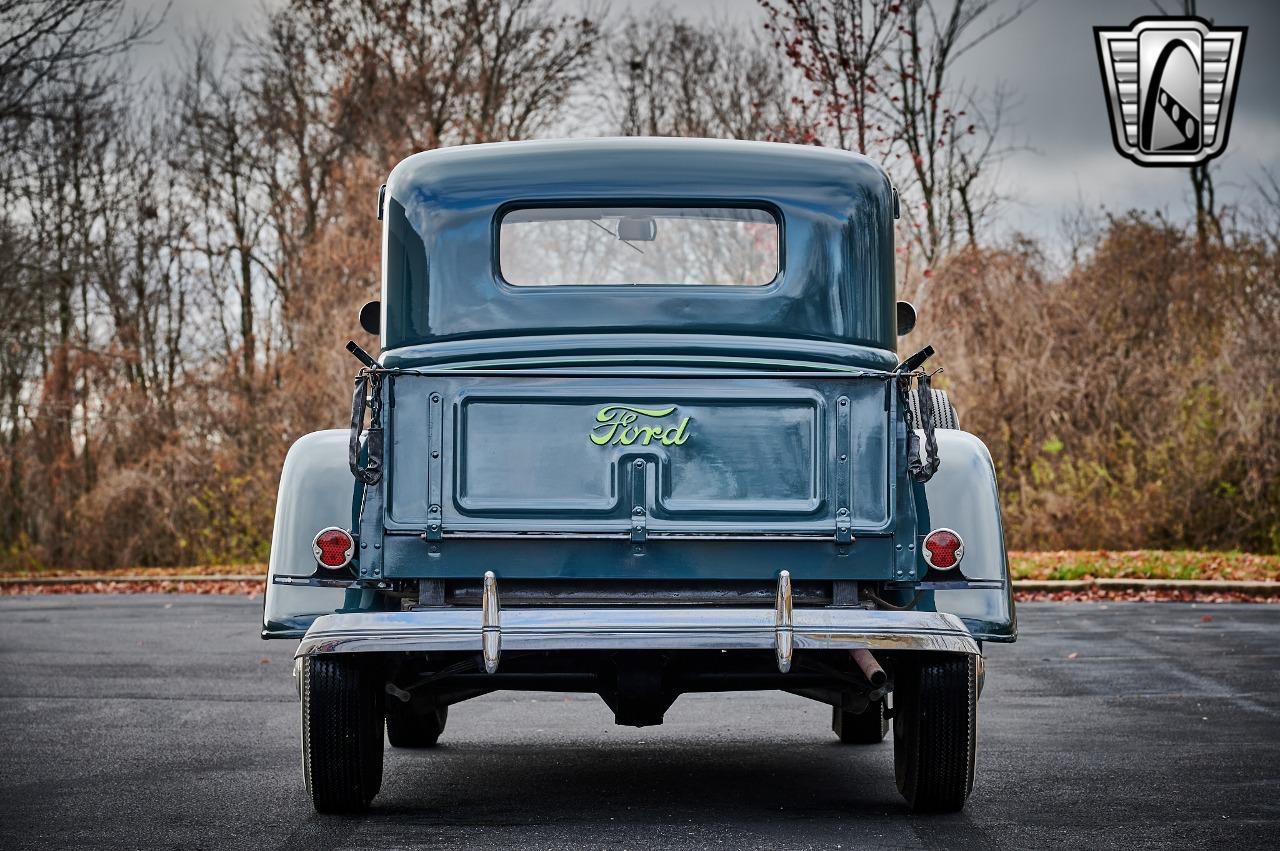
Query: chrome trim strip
[(784, 622), (490, 623), (311, 581), (960, 585), (620, 628)]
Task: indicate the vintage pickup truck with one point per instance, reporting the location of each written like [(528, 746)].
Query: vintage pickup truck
[(638, 428)]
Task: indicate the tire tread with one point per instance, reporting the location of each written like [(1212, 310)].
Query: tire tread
[(341, 735), (935, 734), (944, 413)]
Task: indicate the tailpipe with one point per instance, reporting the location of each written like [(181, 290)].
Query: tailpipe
[(870, 668)]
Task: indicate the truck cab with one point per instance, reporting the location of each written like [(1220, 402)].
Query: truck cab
[(639, 427)]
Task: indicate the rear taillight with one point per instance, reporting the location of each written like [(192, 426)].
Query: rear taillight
[(942, 549), (333, 547)]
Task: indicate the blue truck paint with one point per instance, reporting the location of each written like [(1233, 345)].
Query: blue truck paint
[(443, 207), (773, 456)]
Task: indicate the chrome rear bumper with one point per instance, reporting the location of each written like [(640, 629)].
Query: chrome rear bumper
[(490, 631)]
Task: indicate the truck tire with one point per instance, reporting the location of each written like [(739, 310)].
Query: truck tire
[(341, 734), (944, 413), (935, 732), (407, 729), (868, 727)]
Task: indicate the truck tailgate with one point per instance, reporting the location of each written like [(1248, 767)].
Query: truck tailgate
[(611, 455)]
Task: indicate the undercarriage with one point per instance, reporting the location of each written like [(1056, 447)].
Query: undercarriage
[(403, 669)]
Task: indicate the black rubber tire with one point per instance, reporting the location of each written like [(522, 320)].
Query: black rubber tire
[(868, 727), (408, 729), (342, 712), (935, 731), (944, 413)]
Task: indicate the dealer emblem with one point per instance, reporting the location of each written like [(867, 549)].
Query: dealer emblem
[(1171, 84)]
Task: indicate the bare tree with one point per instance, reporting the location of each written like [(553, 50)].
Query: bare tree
[(1208, 222), (45, 43), (949, 144), (220, 163), (670, 76), (880, 77), (422, 73), (839, 47)]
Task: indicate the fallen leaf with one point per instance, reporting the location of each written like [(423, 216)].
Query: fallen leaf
[(1206, 618)]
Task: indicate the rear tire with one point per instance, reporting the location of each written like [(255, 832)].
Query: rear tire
[(868, 727), (935, 732), (407, 729), (342, 718)]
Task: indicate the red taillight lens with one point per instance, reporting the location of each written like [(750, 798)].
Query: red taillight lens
[(333, 547), (942, 549)]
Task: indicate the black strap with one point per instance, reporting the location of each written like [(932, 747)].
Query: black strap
[(368, 385), (917, 467)]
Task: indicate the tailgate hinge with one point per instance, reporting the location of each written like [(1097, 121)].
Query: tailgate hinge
[(435, 471), (844, 476), (639, 526), (844, 529), (639, 516)]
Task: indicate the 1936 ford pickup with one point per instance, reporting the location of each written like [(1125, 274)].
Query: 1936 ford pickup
[(639, 428)]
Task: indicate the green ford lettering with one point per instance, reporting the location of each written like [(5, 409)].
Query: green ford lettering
[(616, 427)]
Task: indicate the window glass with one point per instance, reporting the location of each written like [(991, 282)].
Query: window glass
[(635, 246)]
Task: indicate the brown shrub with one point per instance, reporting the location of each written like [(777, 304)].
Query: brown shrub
[(1130, 401)]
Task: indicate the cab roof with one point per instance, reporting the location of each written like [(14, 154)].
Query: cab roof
[(822, 179), (442, 209)]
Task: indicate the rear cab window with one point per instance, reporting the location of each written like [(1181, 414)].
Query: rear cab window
[(622, 246)]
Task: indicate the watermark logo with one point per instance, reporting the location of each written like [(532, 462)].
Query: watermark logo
[(1171, 85), (623, 425)]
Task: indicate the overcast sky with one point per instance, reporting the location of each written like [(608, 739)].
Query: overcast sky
[(1047, 60)]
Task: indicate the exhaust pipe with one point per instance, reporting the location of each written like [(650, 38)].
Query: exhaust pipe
[(870, 668)]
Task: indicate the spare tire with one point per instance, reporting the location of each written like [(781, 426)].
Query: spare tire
[(944, 413)]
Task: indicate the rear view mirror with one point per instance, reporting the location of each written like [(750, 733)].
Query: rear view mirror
[(638, 229), (906, 318), (371, 317)]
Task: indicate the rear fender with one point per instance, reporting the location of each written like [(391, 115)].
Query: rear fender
[(962, 496), (316, 490)]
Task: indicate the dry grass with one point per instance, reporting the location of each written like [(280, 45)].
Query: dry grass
[(251, 588), (249, 571), (1145, 564)]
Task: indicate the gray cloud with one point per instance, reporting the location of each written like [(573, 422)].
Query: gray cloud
[(1048, 60)]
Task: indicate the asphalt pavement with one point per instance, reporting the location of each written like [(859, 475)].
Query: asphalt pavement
[(164, 721)]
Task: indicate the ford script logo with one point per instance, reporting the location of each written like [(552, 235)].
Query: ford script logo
[(621, 425)]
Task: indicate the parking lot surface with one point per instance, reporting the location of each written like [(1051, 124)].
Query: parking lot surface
[(164, 721)]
